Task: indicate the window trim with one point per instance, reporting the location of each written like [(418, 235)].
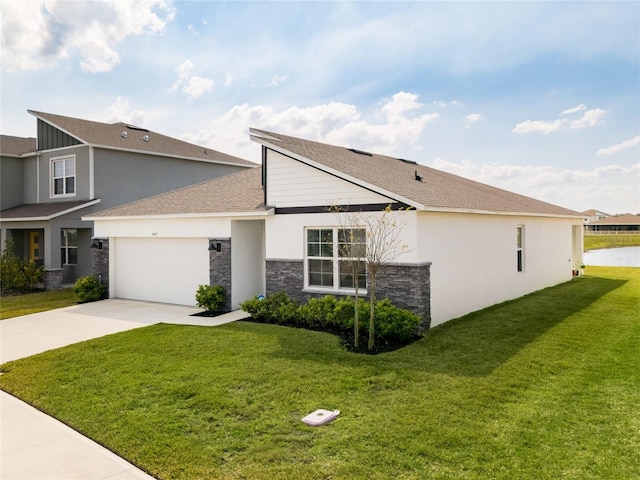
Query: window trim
[(52, 178), (66, 247), (335, 260), (520, 248)]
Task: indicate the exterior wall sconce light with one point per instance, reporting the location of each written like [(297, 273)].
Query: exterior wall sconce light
[(215, 246), (97, 244)]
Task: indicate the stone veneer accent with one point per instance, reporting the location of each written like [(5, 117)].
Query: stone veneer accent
[(52, 279), (220, 266), (100, 261), (406, 285)]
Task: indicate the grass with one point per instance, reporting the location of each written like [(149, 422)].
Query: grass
[(594, 242), (546, 386), (16, 305)]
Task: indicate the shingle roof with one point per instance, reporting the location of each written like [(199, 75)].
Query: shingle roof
[(49, 210), (626, 219), (111, 135), (435, 190), (16, 146), (236, 193)]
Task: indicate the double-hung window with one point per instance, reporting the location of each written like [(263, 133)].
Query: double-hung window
[(69, 246), (335, 258), (520, 248), (63, 176)]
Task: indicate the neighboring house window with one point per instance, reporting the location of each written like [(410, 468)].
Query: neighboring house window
[(520, 248), (63, 176), (69, 246), (329, 251)]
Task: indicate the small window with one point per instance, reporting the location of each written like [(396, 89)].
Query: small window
[(520, 248), (63, 176), (68, 246), (332, 255)]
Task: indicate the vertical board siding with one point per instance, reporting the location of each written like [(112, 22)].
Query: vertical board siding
[(291, 183)]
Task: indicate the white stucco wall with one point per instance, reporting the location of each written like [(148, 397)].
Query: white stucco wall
[(163, 227), (474, 259), (247, 260), (291, 183), (285, 234)]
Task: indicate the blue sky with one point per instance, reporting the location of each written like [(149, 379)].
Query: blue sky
[(540, 98)]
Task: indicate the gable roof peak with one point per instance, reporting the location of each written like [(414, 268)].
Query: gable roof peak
[(124, 136), (424, 187)]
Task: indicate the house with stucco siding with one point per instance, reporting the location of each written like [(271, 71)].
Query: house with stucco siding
[(259, 231)]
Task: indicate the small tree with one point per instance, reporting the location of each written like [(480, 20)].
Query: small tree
[(351, 250), (383, 245)]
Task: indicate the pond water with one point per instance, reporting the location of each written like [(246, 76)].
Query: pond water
[(613, 257)]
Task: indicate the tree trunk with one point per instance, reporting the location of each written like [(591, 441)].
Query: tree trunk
[(356, 322), (372, 313)]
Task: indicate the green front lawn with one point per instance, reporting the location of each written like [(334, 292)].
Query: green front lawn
[(547, 386), (16, 305)]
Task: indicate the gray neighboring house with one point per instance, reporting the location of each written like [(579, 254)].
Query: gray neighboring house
[(77, 167)]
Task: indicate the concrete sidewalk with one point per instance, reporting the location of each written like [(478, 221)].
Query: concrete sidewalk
[(34, 446)]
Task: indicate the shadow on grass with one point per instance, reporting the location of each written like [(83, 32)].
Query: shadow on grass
[(473, 345), (478, 343)]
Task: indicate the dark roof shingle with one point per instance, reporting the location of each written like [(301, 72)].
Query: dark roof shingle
[(435, 190), (16, 146), (111, 135), (43, 210), (239, 192)]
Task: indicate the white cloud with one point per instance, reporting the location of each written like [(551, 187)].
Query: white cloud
[(540, 126), (610, 188), (193, 86), (399, 126), (576, 109), (277, 80), (619, 147), (590, 118), (472, 118), (37, 35), (441, 103), (121, 111), (228, 80)]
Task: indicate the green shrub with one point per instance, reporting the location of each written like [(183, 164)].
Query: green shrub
[(211, 297), (317, 312), (343, 315), (394, 324), (277, 308), (17, 274), (89, 289)]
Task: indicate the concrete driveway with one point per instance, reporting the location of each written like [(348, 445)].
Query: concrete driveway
[(35, 446)]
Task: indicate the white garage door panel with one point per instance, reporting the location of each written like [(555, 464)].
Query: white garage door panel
[(166, 270)]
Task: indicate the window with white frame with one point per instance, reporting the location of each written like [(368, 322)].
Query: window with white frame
[(68, 246), (335, 258), (520, 248), (63, 176)]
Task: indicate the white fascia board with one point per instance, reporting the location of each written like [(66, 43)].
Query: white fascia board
[(243, 215), (494, 212), (339, 174), (55, 215)]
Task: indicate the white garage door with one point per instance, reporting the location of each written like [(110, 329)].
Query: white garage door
[(166, 270)]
